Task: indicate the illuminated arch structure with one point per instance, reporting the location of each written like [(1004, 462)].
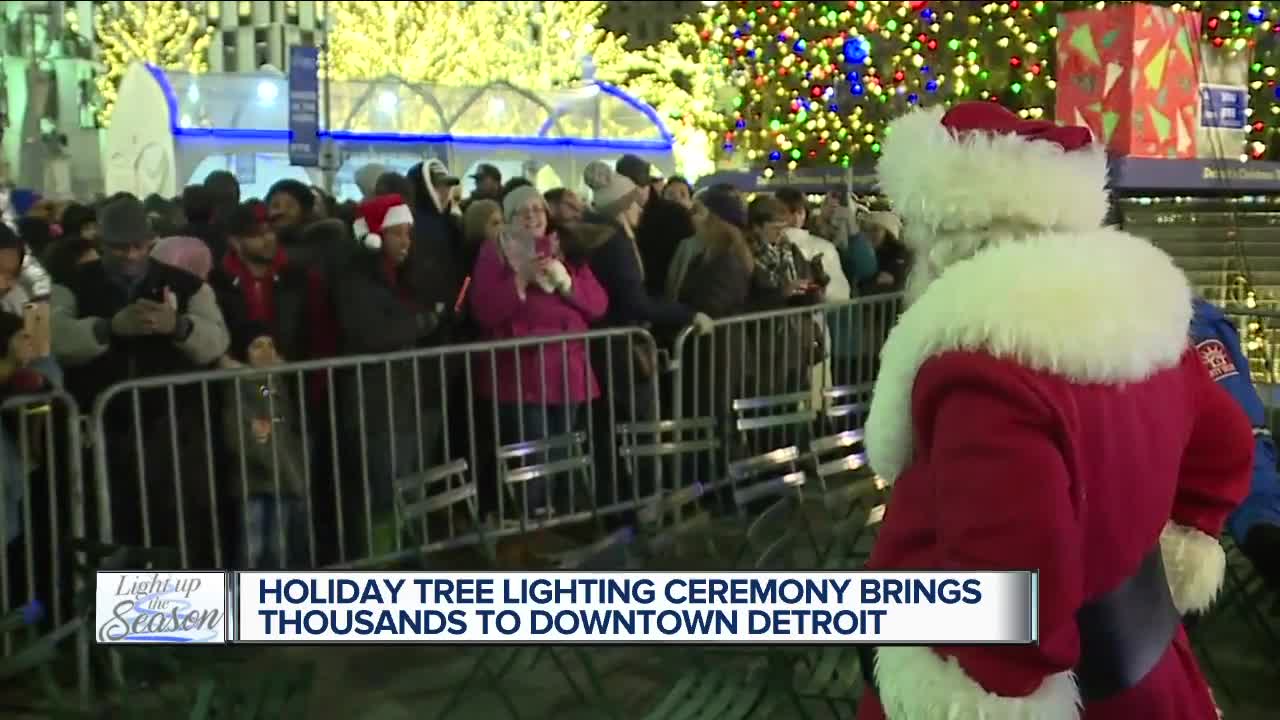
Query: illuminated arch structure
[(239, 122)]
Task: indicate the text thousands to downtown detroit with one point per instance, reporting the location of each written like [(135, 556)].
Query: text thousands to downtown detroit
[(594, 607)]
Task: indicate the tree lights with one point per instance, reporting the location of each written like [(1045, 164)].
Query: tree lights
[(817, 81), (160, 33)]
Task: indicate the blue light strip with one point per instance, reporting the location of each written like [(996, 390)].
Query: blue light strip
[(348, 136)]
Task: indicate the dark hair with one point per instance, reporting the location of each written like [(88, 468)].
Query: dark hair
[(12, 240), (33, 233), (393, 183), (681, 180), (792, 198), (62, 257), (75, 217), (300, 192), (765, 209), (225, 189), (514, 183), (554, 195), (198, 204)]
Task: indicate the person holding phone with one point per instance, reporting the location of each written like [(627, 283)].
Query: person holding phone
[(127, 316)]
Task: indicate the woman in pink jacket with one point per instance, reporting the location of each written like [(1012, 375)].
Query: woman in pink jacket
[(524, 287)]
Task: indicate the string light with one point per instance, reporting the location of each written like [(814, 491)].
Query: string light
[(163, 34)]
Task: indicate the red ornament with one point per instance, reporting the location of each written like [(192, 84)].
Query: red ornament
[(932, 44), (1217, 42), (816, 91), (1213, 23), (899, 75), (1013, 4), (813, 153), (918, 6), (1015, 61), (1035, 69), (777, 4)]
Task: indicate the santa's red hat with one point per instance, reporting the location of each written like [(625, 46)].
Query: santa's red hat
[(979, 165), (378, 213)]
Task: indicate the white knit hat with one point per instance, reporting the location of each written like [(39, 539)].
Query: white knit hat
[(610, 192)]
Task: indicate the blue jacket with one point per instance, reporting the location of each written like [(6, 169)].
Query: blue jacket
[(1219, 345)]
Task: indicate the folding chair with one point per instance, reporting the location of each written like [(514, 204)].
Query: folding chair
[(422, 507), (1243, 604), (784, 419), (773, 478), (668, 520), (495, 663), (522, 462), (845, 484)]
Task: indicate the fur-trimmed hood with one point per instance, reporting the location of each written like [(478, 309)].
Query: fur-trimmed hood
[(1100, 306)]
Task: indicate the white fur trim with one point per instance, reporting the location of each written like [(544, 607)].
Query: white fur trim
[(936, 181), (397, 215), (360, 229), (1195, 564), (918, 683), (1096, 307)]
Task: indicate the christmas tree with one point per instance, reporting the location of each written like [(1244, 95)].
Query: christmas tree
[(673, 76), (161, 33), (818, 81), (846, 68)]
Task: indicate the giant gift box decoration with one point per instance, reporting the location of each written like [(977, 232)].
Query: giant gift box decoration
[(1128, 72)]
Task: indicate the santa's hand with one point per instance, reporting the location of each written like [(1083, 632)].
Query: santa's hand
[(558, 275)]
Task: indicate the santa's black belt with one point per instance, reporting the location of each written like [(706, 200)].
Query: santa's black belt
[(1123, 634)]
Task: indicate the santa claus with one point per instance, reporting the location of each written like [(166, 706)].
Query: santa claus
[(1039, 406)]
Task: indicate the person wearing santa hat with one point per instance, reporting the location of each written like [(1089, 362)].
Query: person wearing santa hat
[(1039, 406), (378, 313)]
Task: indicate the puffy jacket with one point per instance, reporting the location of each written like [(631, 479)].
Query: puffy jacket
[(1219, 345)]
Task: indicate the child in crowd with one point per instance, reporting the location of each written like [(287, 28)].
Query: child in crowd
[(266, 467)]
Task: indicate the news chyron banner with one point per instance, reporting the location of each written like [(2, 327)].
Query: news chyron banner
[(716, 608)]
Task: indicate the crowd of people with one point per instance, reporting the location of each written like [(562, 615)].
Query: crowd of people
[(150, 287)]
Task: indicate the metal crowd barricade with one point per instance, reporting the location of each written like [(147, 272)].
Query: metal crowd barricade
[(375, 460), (42, 507), (771, 380)]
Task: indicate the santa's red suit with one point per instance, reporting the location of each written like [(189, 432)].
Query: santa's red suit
[(1039, 407)]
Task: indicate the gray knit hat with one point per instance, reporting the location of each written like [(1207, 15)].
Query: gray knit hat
[(518, 198), (123, 221)]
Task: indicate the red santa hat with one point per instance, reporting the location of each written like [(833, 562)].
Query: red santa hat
[(378, 213), (978, 165)]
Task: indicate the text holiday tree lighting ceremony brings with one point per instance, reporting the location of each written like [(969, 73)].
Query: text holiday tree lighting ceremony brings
[(629, 607)]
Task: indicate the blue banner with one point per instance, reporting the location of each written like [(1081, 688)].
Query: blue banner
[(304, 106), (1223, 106)]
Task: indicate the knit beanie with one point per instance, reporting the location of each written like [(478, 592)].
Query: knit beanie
[(367, 179), (727, 206), (517, 199), (610, 191)]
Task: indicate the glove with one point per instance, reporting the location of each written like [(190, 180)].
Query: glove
[(558, 275), (158, 318), (703, 324), (128, 322)]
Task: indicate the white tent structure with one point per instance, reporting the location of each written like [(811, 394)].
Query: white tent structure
[(172, 128)]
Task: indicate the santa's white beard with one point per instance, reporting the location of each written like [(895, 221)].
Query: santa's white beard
[(919, 278)]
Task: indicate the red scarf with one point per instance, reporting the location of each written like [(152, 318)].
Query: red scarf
[(258, 292)]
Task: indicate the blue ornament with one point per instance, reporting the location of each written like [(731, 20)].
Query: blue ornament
[(775, 156), (931, 86), (799, 46)]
